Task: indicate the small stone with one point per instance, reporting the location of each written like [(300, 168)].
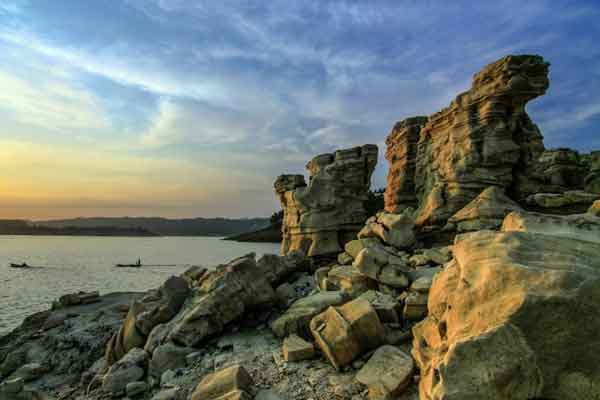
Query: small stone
[(345, 259), (229, 383), (297, 349), (266, 394), (30, 372), (169, 394), (134, 389)]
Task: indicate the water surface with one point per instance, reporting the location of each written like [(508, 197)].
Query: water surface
[(68, 264)]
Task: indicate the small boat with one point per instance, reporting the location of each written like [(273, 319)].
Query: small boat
[(24, 265), (136, 265)]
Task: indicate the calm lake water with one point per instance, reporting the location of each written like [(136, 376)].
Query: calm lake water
[(68, 264)]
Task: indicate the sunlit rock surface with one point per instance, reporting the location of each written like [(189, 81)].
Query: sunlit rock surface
[(319, 218)]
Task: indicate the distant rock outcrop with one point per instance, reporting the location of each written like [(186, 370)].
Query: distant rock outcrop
[(319, 218)]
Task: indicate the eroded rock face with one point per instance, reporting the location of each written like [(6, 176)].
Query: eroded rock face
[(513, 316), (484, 138), (592, 181), (401, 154), (321, 217), (486, 211)]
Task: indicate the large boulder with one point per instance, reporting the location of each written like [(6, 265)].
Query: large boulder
[(223, 296), (130, 368), (319, 218), (156, 308), (297, 318), (346, 332), (513, 316), (277, 269), (486, 211)]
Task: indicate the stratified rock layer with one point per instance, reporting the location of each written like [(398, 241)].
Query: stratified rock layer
[(401, 154), (592, 181), (321, 217), (484, 138), (513, 316)]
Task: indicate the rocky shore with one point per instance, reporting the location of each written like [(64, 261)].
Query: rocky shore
[(480, 280)]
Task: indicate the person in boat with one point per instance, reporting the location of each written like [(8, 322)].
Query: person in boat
[(139, 262)]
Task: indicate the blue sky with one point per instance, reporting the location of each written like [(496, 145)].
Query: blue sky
[(189, 108)]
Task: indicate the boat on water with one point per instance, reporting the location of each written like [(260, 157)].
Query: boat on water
[(23, 265), (136, 265)]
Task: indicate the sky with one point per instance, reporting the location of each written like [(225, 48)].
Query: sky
[(181, 108)]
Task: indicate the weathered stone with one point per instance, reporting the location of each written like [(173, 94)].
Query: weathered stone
[(387, 373), (354, 247), (401, 153), (372, 263), (344, 333), (585, 227), (486, 211), (266, 394), (130, 368), (230, 383), (514, 315), (415, 306), (297, 349), (321, 217), (423, 284), (134, 389), (144, 315), (350, 280), (388, 309), (393, 229), (170, 394), (344, 258), (224, 295), (277, 269), (168, 356), (297, 318), (568, 199)]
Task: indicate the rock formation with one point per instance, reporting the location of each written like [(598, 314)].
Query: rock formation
[(401, 153), (319, 218), (514, 316), (483, 138), (592, 181)]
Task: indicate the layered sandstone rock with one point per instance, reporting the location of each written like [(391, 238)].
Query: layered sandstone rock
[(592, 181), (401, 154), (321, 217), (513, 316), (484, 138), (486, 211)]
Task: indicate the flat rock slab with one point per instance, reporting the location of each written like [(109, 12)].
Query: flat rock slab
[(387, 373)]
